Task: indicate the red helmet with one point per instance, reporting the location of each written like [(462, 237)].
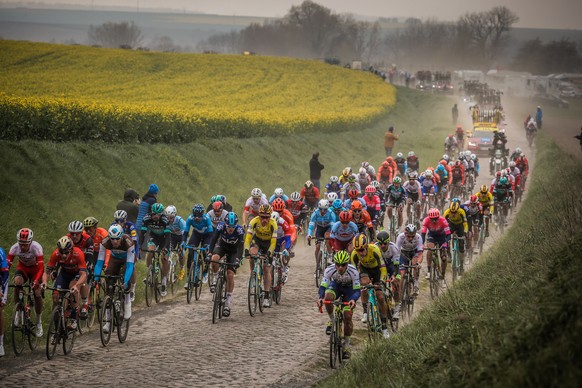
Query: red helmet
[(24, 236), (353, 193), (389, 159), (344, 216), (473, 199), (278, 204), (434, 213), (357, 205), (217, 206), (498, 174), (385, 164), (370, 189), (450, 135)]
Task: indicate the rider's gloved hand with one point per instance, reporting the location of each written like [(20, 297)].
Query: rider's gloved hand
[(126, 288)]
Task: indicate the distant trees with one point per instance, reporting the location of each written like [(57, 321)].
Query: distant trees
[(553, 57), (115, 35)]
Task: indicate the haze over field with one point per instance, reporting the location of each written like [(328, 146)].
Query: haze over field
[(559, 14)]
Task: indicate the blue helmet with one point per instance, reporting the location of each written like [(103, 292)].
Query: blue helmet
[(456, 200), (231, 220), (337, 204), (440, 167), (198, 210)]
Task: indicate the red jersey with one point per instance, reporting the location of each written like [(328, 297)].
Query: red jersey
[(72, 263), (311, 196), (295, 207)]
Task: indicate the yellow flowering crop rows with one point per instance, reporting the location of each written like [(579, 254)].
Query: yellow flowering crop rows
[(58, 92)]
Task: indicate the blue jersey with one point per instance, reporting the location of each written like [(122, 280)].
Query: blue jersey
[(348, 203), (341, 233), (178, 226), (4, 274), (202, 226), (233, 239), (427, 184), (322, 221), (333, 188), (273, 197), (129, 229)]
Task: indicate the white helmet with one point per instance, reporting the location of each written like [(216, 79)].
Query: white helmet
[(451, 163), (411, 153), (375, 184), (365, 164), (467, 153), (323, 204), (399, 155), (256, 193), (115, 231), (170, 211), (473, 157), (518, 150), (332, 196), (295, 196), (275, 216), (362, 171), (428, 173), (334, 179), (76, 227), (120, 215), (278, 192), (446, 157), (512, 164)]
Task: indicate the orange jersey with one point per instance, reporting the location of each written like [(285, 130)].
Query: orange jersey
[(72, 263), (363, 219)]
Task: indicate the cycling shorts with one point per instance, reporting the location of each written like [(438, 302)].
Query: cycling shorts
[(346, 291), (231, 254), (320, 231), (27, 273), (339, 245), (64, 279), (372, 273)]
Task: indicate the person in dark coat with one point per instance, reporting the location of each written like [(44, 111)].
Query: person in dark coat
[(130, 204), (147, 201), (315, 168)]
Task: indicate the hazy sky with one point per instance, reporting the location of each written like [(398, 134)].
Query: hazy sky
[(566, 14)]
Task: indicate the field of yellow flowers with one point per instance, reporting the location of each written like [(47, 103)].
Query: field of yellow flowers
[(59, 92)]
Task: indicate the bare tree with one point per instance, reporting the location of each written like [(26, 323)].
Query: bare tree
[(124, 34), (164, 44)]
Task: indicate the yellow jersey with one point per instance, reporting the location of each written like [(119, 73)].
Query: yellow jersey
[(457, 218), (264, 233), (485, 199), (372, 259)]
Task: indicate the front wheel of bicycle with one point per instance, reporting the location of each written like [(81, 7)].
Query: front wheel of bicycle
[(333, 345), (106, 317), (53, 336), (253, 297), (434, 280), (197, 278), (69, 336), (455, 265), (18, 331), (149, 286), (319, 268), (122, 324), (157, 276), (217, 296)]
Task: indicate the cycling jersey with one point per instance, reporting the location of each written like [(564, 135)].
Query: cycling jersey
[(372, 203), (264, 233), (484, 199), (284, 197), (372, 259), (202, 226), (351, 186), (333, 188), (391, 257), (85, 244), (224, 238), (125, 251), (343, 233), (438, 228), (31, 258), (296, 208), (4, 274), (427, 184), (401, 165), (412, 163), (349, 280), (217, 218), (385, 174), (348, 203), (253, 207), (178, 226), (72, 263), (408, 248), (395, 195), (322, 221), (411, 188), (311, 196), (456, 218)]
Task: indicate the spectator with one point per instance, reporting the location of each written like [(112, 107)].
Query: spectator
[(147, 201), (539, 117), (455, 112), (130, 204), (389, 139), (315, 168)]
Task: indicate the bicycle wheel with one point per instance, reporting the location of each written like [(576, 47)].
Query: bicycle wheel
[(172, 276), (260, 292), (53, 335), (434, 280), (217, 297), (69, 338), (455, 263), (340, 337), (197, 278), (253, 297), (149, 286), (91, 310), (333, 344), (274, 285), (106, 316), (122, 324), (157, 276), (372, 322), (279, 283), (18, 331), (319, 268), (190, 284)]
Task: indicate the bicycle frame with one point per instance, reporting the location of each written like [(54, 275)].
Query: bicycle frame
[(27, 329), (194, 279), (374, 322), (457, 263), (336, 346)]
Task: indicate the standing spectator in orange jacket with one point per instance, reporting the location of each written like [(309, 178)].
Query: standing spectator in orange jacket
[(389, 139)]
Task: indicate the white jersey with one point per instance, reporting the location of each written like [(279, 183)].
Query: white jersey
[(391, 254), (254, 207), (216, 219), (350, 278), (403, 244), (411, 187), (27, 259)]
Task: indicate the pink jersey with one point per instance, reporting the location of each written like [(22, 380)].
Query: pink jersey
[(441, 227), (27, 259), (372, 203)]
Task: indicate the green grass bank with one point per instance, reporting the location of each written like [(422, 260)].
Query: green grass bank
[(515, 318)]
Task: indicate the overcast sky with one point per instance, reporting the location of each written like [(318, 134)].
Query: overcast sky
[(563, 14)]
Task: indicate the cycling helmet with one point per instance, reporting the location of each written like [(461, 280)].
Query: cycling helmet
[(385, 164), (278, 192), (411, 153), (217, 207), (256, 193), (115, 231), (467, 153), (410, 229), (362, 171), (231, 220), (484, 189), (295, 196), (456, 200), (498, 174), (352, 178), (346, 171), (446, 157), (221, 198), (370, 189), (512, 164), (198, 210), (389, 159), (365, 164), (473, 200), (518, 150), (357, 205), (278, 204), (265, 210), (275, 216), (473, 157), (353, 193), (503, 181), (65, 244), (76, 227), (341, 257), (345, 216), (397, 180), (337, 204), (24, 236), (323, 204), (171, 211), (412, 175), (454, 207), (308, 184), (90, 222), (332, 196), (434, 213), (158, 208), (375, 184), (459, 127), (450, 135), (399, 155), (440, 168), (383, 237), (334, 179), (213, 199), (428, 174), (360, 242), (120, 215)]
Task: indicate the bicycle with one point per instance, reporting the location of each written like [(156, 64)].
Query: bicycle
[(388, 297), (407, 299), (277, 277), (60, 325), (323, 258), (153, 280), (219, 296), (374, 323), (456, 261), (94, 303), (26, 329), (394, 221), (305, 222), (194, 280), (175, 267), (435, 270), (501, 215), (255, 291), (113, 309), (336, 337), (482, 234)]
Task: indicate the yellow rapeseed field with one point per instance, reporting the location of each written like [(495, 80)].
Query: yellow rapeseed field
[(60, 92)]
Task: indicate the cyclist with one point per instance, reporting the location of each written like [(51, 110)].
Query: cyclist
[(4, 273), (438, 233), (367, 258), (457, 219), (30, 268), (515, 154), (350, 185), (97, 235), (522, 163), (515, 173), (485, 198), (228, 242), (278, 193), (392, 165), (122, 249), (502, 193), (353, 196), (261, 239), (321, 221), (340, 279), (410, 249), (443, 175), (412, 162), (362, 219), (395, 197), (251, 209), (413, 190), (310, 195), (451, 144), (217, 214), (458, 177), (385, 174), (337, 206), (156, 223), (120, 218), (279, 206), (372, 203), (346, 173), (333, 186), (473, 210), (69, 260), (177, 226), (428, 183), (475, 160), (297, 209), (82, 240), (283, 242), (391, 259), (400, 164), (363, 178), (369, 169), (342, 233), (459, 133), (202, 231)]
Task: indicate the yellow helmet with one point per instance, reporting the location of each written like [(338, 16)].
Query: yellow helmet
[(360, 242), (341, 257), (454, 207), (90, 222), (484, 189), (265, 210), (65, 244)]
